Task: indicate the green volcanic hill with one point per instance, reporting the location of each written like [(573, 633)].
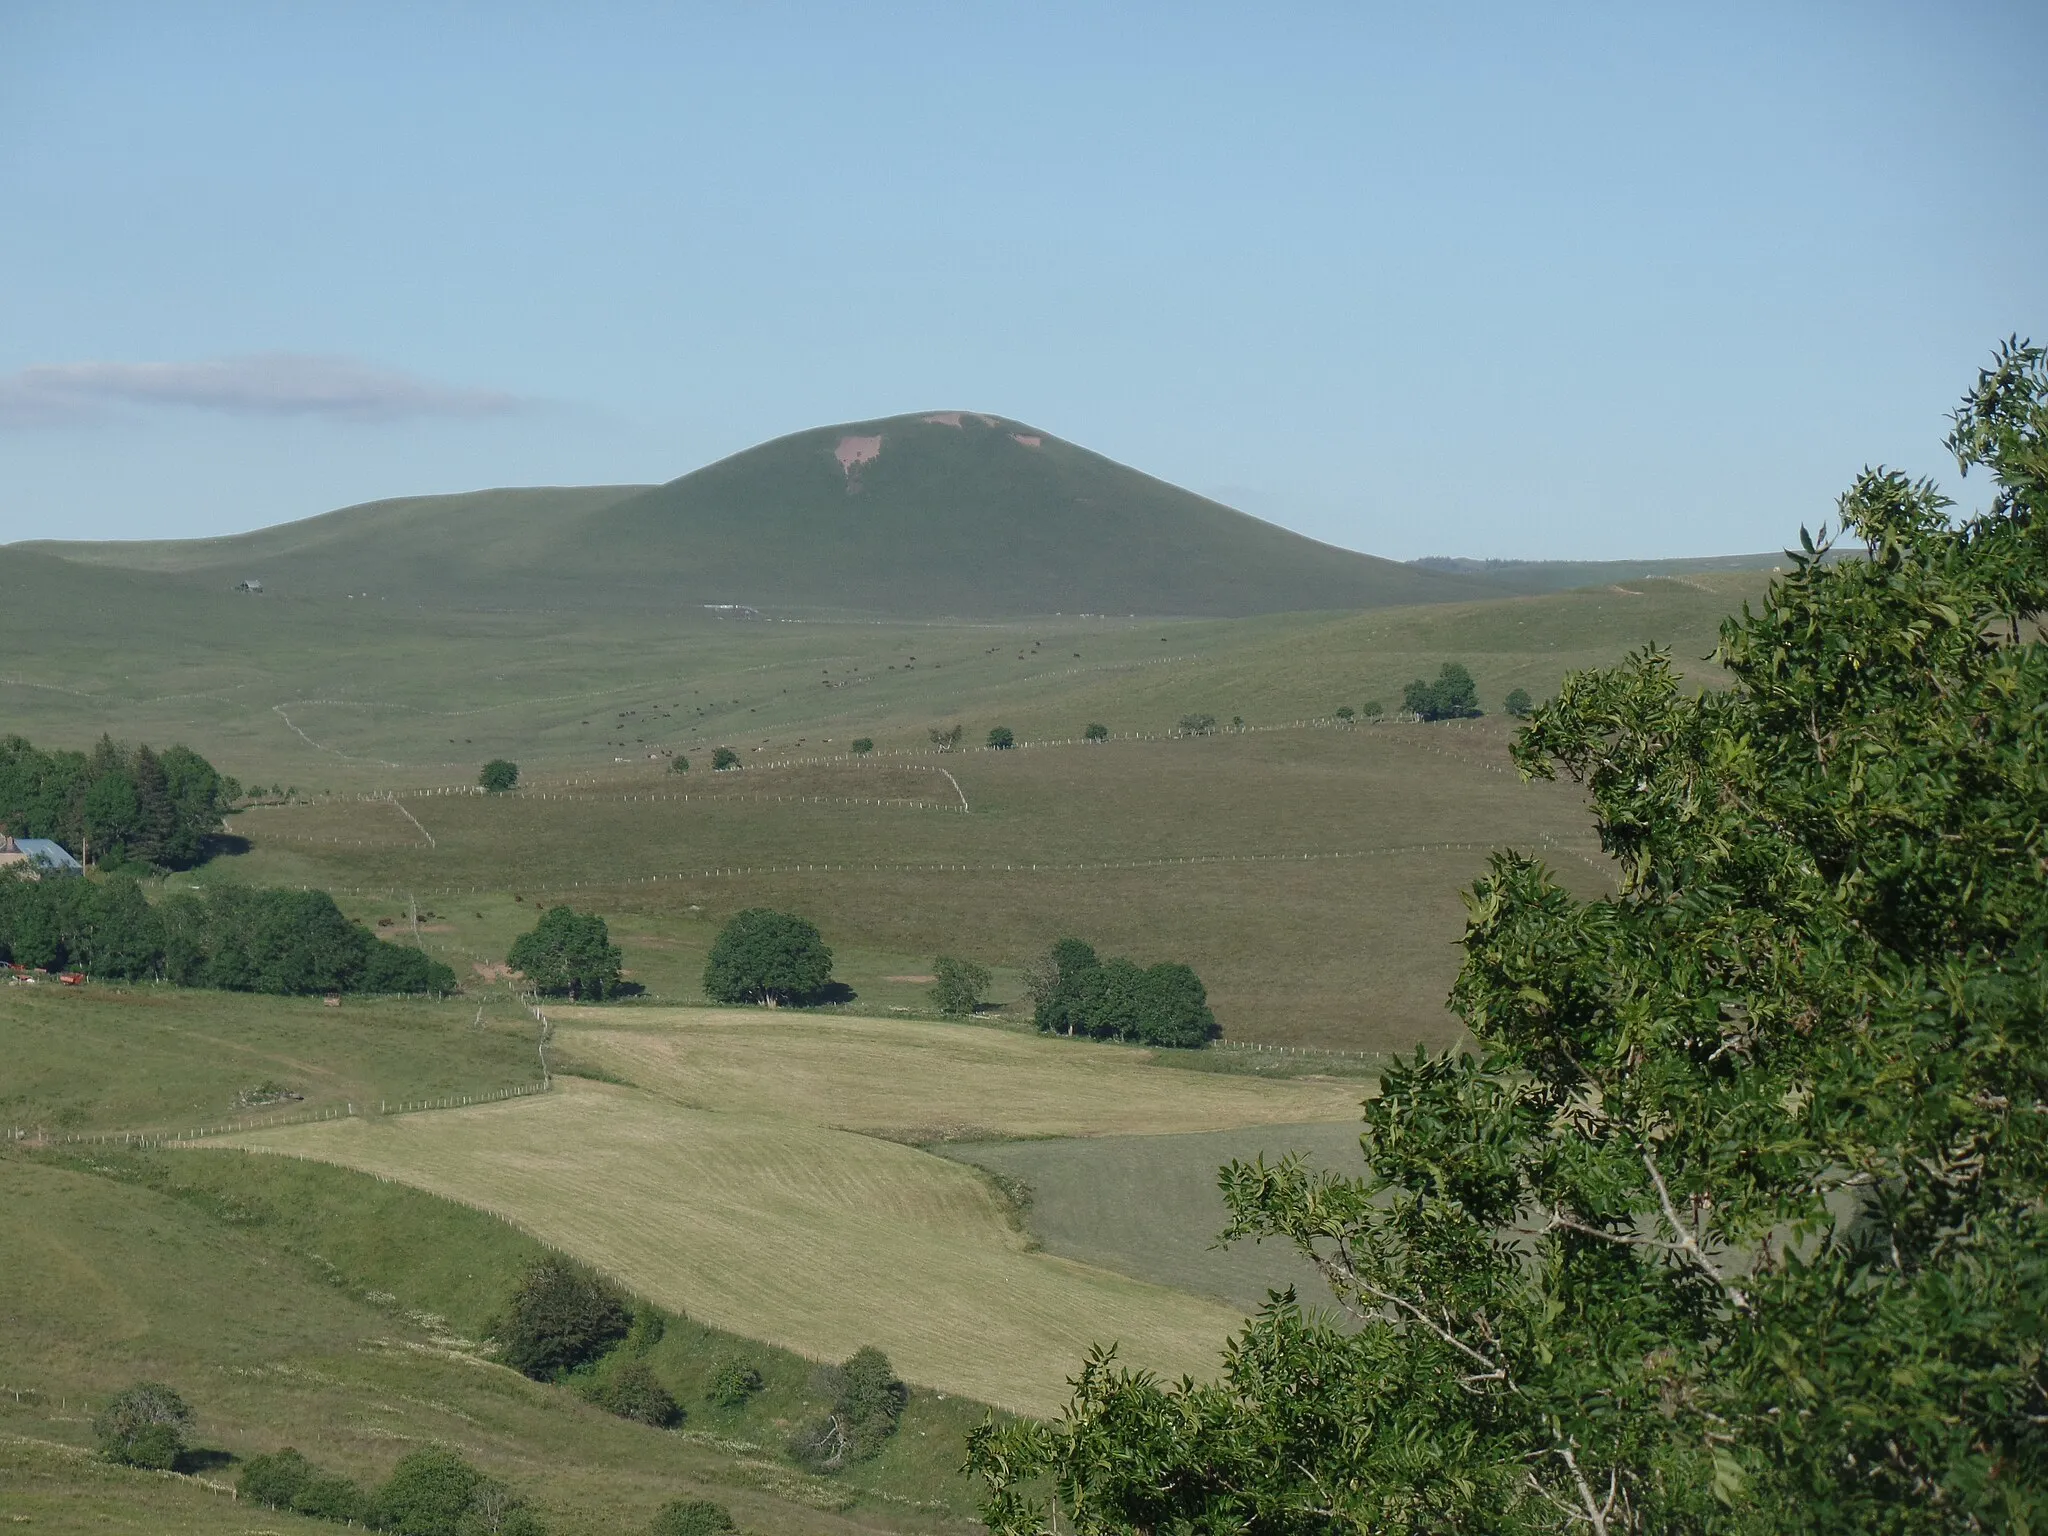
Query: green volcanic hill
[(946, 513)]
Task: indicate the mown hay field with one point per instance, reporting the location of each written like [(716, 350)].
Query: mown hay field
[(926, 1082), (817, 1240)]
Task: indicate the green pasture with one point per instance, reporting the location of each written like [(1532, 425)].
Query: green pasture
[(1148, 1206), (1310, 874), (93, 1060)]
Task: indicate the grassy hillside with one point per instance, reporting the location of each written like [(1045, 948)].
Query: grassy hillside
[(1157, 847), (301, 1304), (912, 516)]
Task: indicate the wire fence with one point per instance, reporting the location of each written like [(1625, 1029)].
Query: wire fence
[(142, 1141)]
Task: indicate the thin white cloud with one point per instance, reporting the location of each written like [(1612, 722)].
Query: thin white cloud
[(266, 384)]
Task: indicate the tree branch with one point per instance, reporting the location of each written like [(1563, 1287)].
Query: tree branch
[(1686, 1243)]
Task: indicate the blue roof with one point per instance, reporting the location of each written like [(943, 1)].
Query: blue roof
[(41, 851)]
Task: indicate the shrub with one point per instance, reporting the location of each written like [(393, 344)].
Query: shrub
[(634, 1392), (958, 985), (724, 758), (1096, 733), (568, 952), (560, 1316), (691, 1517), (498, 775), (863, 744), (1001, 738), (1372, 709), (1453, 696), (1197, 725), (1345, 711), (143, 1426), (1518, 703), (428, 1494), (679, 764), (330, 1496), (733, 1380), (762, 956), (867, 1404), (276, 1479)]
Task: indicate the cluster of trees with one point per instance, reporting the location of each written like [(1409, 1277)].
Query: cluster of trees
[(569, 953), (116, 804), (1077, 993), (867, 1405), (1372, 709), (1453, 696), (433, 1491), (1732, 1219), (235, 938), (768, 957)]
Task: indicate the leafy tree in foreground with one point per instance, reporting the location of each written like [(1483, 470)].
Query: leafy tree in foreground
[(144, 1426), (1734, 1222), (1453, 696), (560, 1316), (763, 956), (568, 952), (498, 775), (958, 986), (1096, 732)]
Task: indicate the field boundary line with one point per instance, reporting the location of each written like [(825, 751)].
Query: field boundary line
[(386, 1108)]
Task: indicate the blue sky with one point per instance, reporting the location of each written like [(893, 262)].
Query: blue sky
[(1507, 280)]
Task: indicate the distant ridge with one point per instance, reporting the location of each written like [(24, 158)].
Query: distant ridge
[(1532, 577), (941, 513)]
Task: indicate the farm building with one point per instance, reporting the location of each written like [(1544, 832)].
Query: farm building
[(38, 854)]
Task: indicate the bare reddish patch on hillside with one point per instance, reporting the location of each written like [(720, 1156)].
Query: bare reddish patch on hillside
[(943, 419), (856, 451), (1028, 439)]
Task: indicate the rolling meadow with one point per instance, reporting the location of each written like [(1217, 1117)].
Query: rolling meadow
[(309, 1217)]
